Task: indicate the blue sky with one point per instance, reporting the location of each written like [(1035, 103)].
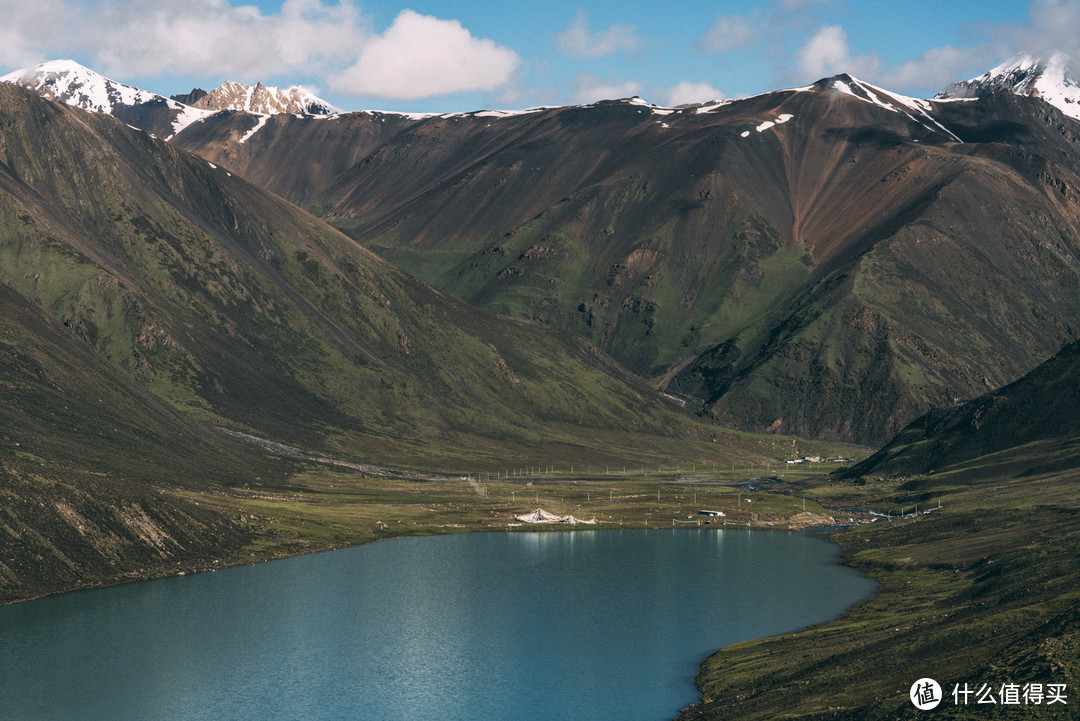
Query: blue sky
[(456, 55)]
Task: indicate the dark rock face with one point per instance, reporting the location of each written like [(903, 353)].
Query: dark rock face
[(189, 98)]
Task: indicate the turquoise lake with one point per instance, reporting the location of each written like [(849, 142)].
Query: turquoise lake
[(551, 625)]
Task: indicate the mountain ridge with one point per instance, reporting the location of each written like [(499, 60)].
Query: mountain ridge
[(69, 82), (1051, 80), (755, 257), (673, 238), (1038, 409), (264, 100)]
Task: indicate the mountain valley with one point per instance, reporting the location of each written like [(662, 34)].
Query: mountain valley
[(596, 291), (179, 297)]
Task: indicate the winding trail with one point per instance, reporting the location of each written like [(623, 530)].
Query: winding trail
[(281, 449)]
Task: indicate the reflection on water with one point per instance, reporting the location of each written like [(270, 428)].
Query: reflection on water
[(571, 625)]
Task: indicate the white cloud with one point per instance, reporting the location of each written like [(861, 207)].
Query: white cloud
[(688, 92), (936, 68), (1053, 28), (421, 56), (29, 31), (591, 88), (791, 6), (827, 53), (730, 33), (212, 37), (576, 40), (418, 56)]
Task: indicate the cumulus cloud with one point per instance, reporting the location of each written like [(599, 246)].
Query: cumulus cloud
[(730, 33), (827, 53), (418, 56), (29, 31), (578, 42), (1053, 28), (689, 92), (937, 67), (212, 37), (422, 56), (591, 88)]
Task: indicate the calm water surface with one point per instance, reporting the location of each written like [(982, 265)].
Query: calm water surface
[(568, 625)]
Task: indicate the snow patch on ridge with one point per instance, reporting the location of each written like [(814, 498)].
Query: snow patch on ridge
[(765, 125), (186, 115), (258, 126)]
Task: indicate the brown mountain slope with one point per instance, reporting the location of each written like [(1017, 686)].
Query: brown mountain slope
[(830, 261), (240, 308)]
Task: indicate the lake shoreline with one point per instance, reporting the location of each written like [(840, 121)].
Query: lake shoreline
[(456, 507), (666, 643), (976, 592)]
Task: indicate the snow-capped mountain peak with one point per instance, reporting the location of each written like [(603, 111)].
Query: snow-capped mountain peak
[(1052, 81), (68, 82), (264, 100)]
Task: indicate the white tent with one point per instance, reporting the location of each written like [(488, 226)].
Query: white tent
[(542, 516)]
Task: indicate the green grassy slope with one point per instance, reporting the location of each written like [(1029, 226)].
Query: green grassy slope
[(1037, 410), (983, 591), (147, 296), (980, 580), (237, 306), (84, 455)]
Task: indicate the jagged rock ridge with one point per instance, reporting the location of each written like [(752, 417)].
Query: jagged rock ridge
[(264, 100)]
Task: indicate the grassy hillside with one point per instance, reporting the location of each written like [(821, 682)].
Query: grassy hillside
[(978, 555), (147, 296), (829, 262), (983, 590), (85, 454), (242, 309), (1039, 410)]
